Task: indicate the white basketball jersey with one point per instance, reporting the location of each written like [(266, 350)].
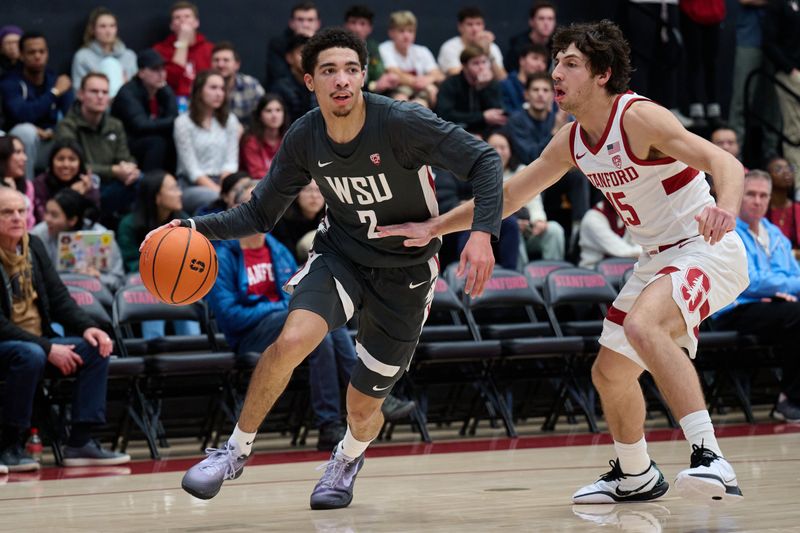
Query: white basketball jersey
[(656, 199)]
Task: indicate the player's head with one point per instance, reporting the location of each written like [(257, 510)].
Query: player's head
[(755, 200), (589, 56), (334, 66)]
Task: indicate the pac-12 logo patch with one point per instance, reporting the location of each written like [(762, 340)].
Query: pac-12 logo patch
[(375, 158), (695, 288), (617, 160)]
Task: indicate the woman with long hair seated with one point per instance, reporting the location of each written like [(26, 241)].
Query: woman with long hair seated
[(268, 125), (158, 201), (66, 170), (12, 170), (69, 210)]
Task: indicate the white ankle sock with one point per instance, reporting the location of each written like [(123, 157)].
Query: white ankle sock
[(698, 430), (633, 458), (242, 441), (349, 448)]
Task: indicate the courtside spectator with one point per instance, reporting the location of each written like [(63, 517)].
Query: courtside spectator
[(303, 21), (104, 143), (298, 225), (533, 59), (783, 211), (603, 235), (147, 107), (472, 98), (541, 25), (12, 172), (186, 51), (768, 307), (103, 51), (32, 300), (9, 48), (158, 201), (70, 210), (530, 129), (412, 64), (207, 141), (726, 138), (268, 124), (230, 187), (34, 98), (782, 48), (67, 170), (471, 31), (244, 91), (292, 89), (543, 238), (359, 20)]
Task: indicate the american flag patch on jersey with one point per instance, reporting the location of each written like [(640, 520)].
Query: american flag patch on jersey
[(613, 148)]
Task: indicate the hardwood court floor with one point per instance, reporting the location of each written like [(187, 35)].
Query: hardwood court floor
[(511, 486)]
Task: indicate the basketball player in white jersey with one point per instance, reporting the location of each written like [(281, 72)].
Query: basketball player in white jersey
[(652, 170)]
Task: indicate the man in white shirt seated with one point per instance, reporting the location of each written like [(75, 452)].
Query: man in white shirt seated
[(413, 64), (603, 234), (472, 30)]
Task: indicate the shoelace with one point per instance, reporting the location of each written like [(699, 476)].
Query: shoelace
[(701, 456), (219, 458), (334, 470), (615, 473)]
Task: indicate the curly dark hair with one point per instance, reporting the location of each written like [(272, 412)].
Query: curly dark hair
[(332, 38), (605, 46)]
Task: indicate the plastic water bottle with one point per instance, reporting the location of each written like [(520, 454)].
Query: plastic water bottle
[(34, 445)]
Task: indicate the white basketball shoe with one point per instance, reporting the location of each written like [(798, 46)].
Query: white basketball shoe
[(709, 478), (616, 486)]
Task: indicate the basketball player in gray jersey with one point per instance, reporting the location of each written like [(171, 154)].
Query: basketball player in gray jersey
[(369, 155)]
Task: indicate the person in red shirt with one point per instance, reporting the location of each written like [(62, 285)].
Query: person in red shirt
[(186, 52), (268, 124), (783, 211)]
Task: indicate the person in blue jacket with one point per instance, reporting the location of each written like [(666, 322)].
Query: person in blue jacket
[(769, 306)]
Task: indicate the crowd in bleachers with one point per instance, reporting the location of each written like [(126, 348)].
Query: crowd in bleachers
[(129, 140)]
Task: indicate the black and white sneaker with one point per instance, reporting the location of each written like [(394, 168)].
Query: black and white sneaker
[(615, 486), (709, 478)]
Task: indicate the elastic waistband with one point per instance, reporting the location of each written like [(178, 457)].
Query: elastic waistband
[(665, 247)]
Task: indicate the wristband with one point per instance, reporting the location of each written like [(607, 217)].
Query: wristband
[(188, 223)]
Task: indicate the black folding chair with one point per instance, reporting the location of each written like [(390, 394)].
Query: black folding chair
[(614, 268), (537, 271), (90, 284)]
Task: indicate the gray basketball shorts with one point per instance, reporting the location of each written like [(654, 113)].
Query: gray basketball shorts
[(392, 305)]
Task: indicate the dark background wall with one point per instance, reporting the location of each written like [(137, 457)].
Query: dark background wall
[(250, 23)]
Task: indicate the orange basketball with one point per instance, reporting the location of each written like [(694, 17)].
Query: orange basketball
[(178, 265)]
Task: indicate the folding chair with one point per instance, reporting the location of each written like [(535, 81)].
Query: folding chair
[(450, 354), (614, 268), (183, 371), (91, 284), (531, 346), (537, 271)]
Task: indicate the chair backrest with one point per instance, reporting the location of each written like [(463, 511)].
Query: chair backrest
[(577, 286), (90, 305), (613, 268), (136, 304), (449, 276), (133, 279), (506, 288), (90, 284), (537, 271), (444, 299)]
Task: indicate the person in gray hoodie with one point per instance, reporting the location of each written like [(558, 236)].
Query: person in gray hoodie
[(104, 52)]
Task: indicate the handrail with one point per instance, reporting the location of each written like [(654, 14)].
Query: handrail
[(750, 114)]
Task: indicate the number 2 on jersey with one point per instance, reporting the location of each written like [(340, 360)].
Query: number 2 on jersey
[(369, 216), (616, 199)]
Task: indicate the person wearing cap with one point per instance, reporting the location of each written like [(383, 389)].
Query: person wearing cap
[(146, 106), (9, 48)]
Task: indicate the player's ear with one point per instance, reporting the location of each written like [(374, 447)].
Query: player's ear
[(309, 81), (364, 77)]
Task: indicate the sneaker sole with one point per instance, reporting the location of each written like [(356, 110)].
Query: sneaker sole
[(23, 468), (322, 506), (82, 461), (706, 490)]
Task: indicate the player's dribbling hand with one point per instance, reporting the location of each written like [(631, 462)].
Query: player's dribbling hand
[(714, 222), (171, 224), (477, 261)]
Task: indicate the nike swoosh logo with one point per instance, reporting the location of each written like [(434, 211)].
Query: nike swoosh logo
[(415, 285), (579, 156), (321, 164), (249, 443), (637, 489), (378, 389)]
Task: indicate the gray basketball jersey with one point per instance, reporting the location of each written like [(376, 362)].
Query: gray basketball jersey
[(381, 177)]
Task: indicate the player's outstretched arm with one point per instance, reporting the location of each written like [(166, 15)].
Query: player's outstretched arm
[(554, 162), (661, 129)]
